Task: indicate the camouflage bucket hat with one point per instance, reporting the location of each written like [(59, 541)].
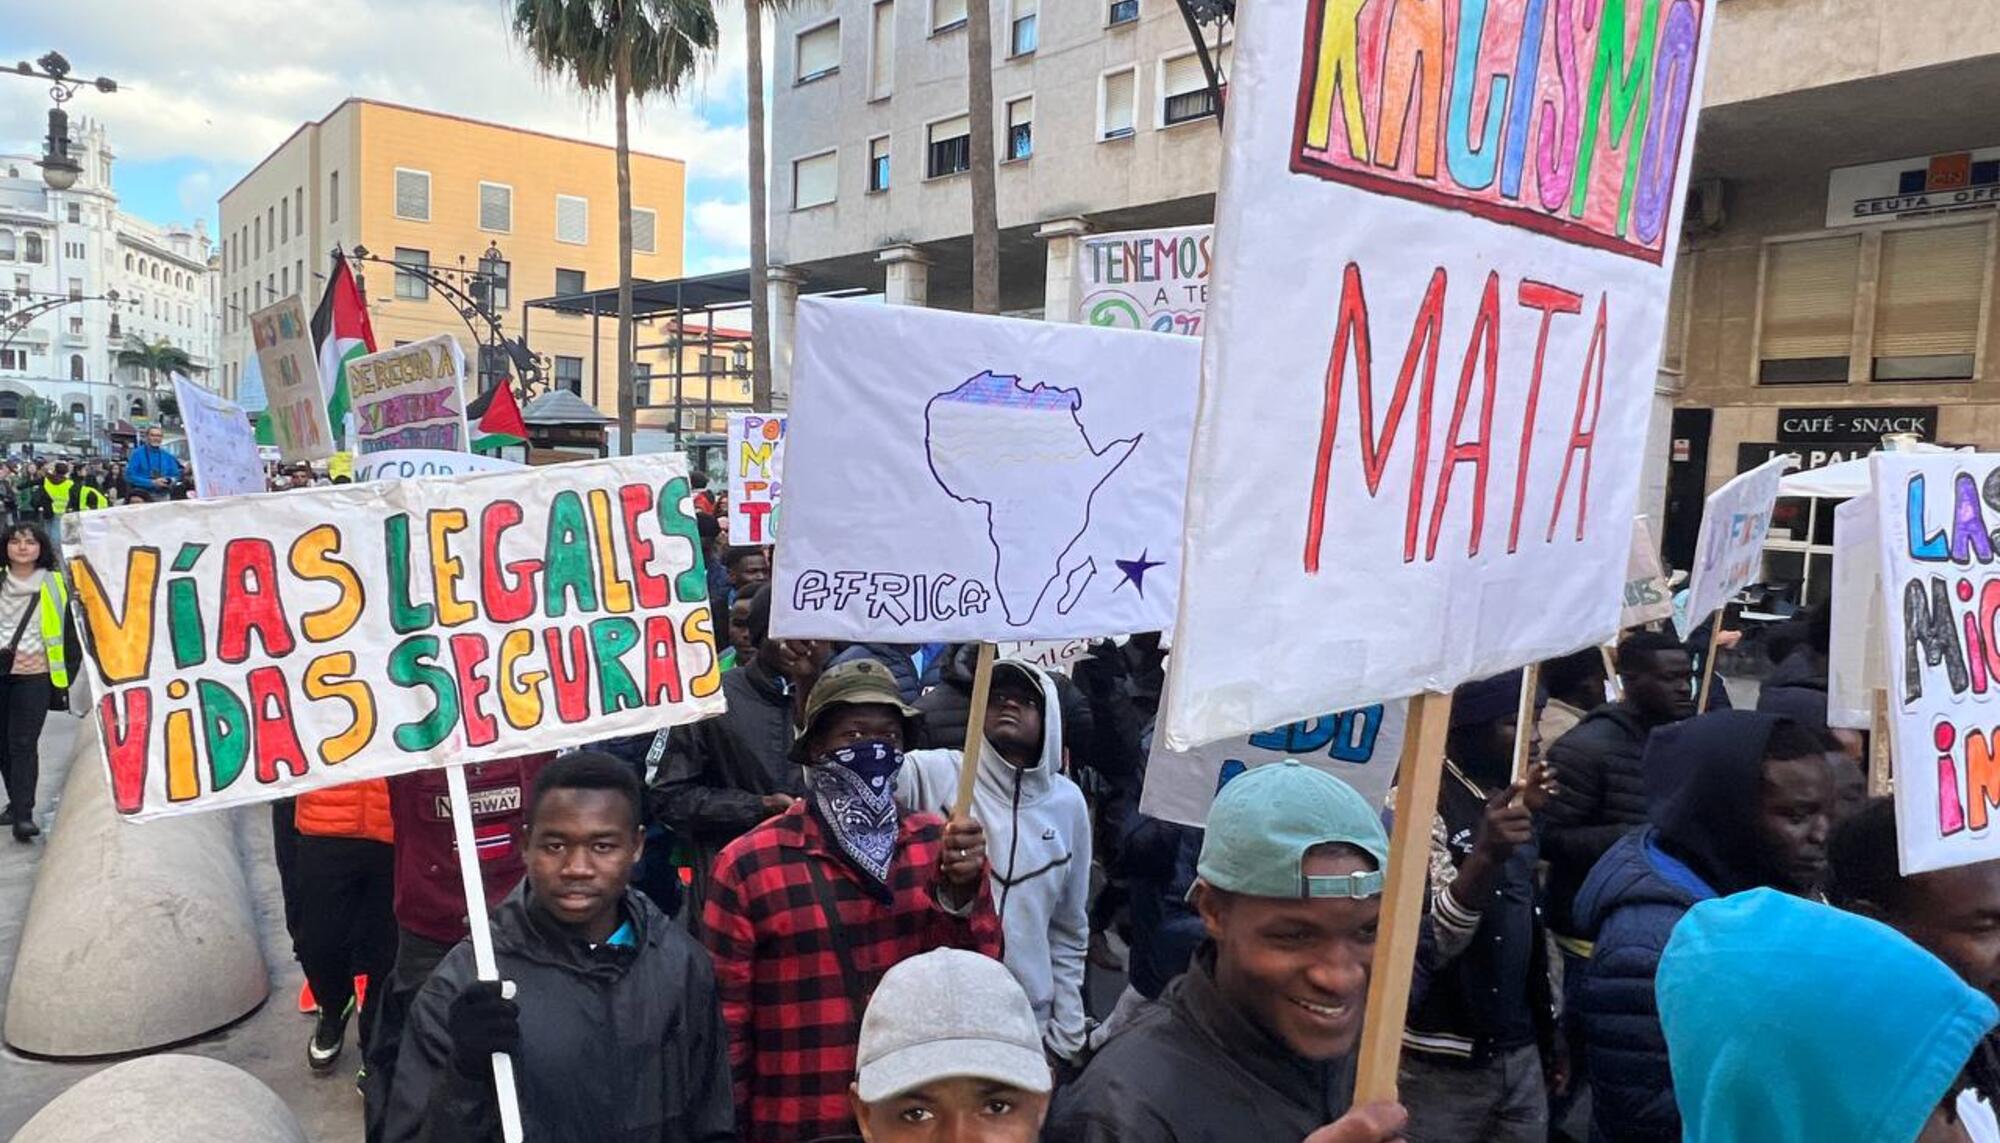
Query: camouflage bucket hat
[(863, 682)]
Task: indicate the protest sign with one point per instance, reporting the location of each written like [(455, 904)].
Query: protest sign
[(1360, 747), (411, 463), (412, 396), (1145, 279), (952, 477), (756, 453), (221, 444), (294, 399), (1936, 517), (1647, 597), (1055, 656), (288, 641), (1854, 657), (1729, 552), (1430, 367)]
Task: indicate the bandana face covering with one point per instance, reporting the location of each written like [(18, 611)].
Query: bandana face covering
[(854, 793)]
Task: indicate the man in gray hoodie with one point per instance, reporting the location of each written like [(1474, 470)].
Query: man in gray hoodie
[(1038, 843)]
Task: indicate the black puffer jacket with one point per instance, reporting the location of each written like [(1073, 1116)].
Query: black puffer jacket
[(947, 705), (1600, 797), (618, 1044), (1797, 688)]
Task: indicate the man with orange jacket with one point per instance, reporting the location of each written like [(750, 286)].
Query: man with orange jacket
[(345, 881)]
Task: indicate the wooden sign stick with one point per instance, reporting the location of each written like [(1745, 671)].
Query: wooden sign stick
[(1881, 771), (1708, 663), (1417, 777), (1611, 672), (975, 731), (1524, 718)]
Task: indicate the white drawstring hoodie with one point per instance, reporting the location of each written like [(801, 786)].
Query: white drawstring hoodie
[(1038, 854)]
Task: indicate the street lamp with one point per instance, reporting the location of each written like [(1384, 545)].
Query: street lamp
[(59, 168)]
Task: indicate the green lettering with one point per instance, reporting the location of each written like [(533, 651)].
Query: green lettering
[(610, 639), (184, 623), (225, 732), (691, 586), (412, 664), (1630, 100), (404, 616), (568, 556)]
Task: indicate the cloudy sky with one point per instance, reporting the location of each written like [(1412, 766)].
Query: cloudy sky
[(209, 87)]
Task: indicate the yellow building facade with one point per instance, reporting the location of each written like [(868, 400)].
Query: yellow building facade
[(428, 189)]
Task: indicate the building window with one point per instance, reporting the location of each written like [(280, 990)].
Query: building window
[(333, 197), (882, 51), (496, 207), (1117, 101), (1927, 303), (76, 366), (412, 287), (413, 195), (1123, 12), (76, 212), (299, 211), (815, 180), (271, 225), (284, 281), (816, 52), (878, 163), (256, 238), (10, 403), (947, 15), (115, 330), (76, 289), (7, 248), (1022, 32), (642, 383), (1020, 128), (948, 147), (499, 283), (305, 288), (569, 374), (572, 219), (569, 282), (1806, 324), (31, 248), (1184, 92), (645, 230), (76, 325), (284, 226)]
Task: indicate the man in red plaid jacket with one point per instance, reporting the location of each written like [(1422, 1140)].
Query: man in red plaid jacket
[(809, 909)]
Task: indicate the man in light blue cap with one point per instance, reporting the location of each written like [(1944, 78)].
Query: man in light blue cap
[(1257, 1039)]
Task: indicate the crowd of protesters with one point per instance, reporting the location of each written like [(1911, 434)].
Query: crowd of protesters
[(770, 926)]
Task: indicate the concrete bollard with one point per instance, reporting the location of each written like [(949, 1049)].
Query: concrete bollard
[(138, 936), (165, 1099)]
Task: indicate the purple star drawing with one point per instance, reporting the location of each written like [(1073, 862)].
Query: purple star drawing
[(1135, 571)]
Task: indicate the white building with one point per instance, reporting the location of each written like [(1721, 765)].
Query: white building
[(1102, 118), (77, 244)]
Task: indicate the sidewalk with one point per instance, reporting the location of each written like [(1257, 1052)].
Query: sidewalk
[(269, 1044)]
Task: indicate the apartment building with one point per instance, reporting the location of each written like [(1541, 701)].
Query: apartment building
[(77, 248), (429, 190), (1103, 121)]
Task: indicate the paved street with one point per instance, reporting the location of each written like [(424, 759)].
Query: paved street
[(270, 1043)]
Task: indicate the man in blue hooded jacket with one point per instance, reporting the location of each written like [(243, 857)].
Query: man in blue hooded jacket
[(1753, 810)]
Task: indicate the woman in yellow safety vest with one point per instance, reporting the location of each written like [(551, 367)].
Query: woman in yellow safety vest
[(34, 617)]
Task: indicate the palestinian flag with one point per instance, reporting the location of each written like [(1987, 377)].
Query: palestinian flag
[(496, 419), (340, 328)]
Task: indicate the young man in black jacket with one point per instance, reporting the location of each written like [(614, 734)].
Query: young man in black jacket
[(614, 1024)]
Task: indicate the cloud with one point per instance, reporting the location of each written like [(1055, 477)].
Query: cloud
[(225, 81), (721, 225), (196, 193)]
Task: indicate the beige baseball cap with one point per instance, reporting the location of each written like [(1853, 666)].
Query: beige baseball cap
[(944, 1015)]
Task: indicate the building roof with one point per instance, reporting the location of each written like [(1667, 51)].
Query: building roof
[(562, 407), (359, 101)]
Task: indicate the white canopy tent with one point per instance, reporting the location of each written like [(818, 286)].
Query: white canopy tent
[(1847, 479)]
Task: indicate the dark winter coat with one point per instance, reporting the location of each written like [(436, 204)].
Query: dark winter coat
[(618, 1045), (1600, 797), (1157, 860), (947, 705), (1194, 1069), (1796, 689), (901, 664), (1705, 844)]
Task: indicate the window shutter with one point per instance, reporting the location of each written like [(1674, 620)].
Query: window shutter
[(819, 50), (945, 13), (1020, 112), (496, 208), (882, 52), (1119, 96), (413, 195), (815, 180), (1928, 295), (1809, 298), (572, 219), (950, 129), (1184, 75), (645, 227)]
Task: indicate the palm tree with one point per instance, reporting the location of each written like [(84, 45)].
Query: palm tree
[(154, 359), (760, 223), (979, 109), (633, 49)]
